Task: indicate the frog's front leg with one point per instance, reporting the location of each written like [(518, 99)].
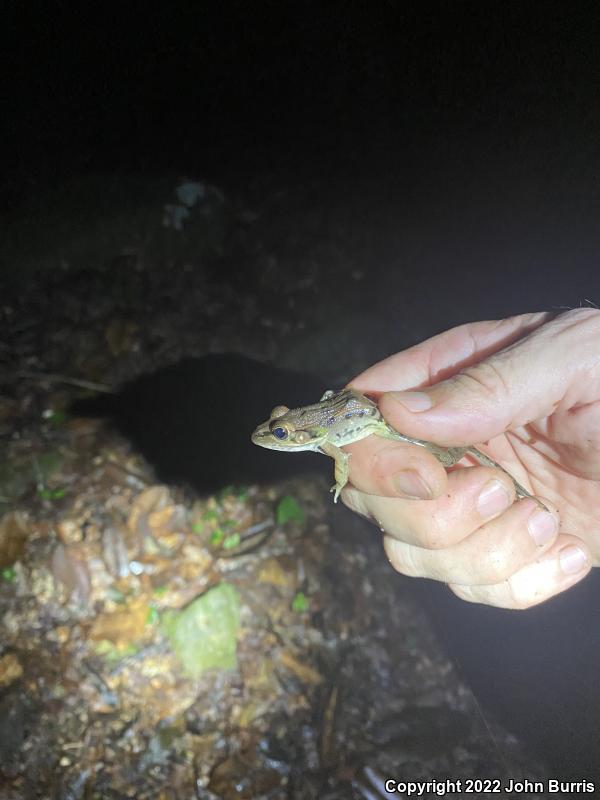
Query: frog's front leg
[(342, 469)]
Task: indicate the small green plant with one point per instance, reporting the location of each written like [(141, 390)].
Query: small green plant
[(216, 537), (300, 603), (51, 494), (231, 541), (288, 509), (153, 616)]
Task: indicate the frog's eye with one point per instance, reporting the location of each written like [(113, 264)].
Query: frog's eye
[(302, 437), (280, 433), (279, 411)]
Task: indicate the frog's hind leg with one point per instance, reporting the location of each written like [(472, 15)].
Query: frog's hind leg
[(448, 456), (486, 461)]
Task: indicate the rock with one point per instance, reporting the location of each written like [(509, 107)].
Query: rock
[(203, 635)]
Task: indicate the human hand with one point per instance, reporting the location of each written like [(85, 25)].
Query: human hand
[(529, 387)]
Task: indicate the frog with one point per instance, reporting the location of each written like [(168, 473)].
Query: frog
[(346, 416)]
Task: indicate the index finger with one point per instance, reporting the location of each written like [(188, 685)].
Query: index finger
[(445, 354)]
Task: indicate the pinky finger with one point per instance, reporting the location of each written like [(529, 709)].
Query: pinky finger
[(564, 565)]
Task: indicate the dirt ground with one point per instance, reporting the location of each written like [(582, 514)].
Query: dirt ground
[(164, 641)]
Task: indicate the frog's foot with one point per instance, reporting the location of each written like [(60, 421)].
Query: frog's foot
[(337, 489)]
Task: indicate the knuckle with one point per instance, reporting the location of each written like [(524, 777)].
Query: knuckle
[(581, 323), (521, 600), (496, 567), (485, 378), (355, 500), (528, 587), (465, 592), (433, 535), (498, 596), (401, 557), (581, 315)]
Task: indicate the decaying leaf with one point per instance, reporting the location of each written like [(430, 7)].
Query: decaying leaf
[(13, 534), (70, 569)]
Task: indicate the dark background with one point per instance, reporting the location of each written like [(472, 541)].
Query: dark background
[(475, 125), (468, 131), (245, 86)]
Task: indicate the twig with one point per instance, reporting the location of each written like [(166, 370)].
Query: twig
[(55, 377)]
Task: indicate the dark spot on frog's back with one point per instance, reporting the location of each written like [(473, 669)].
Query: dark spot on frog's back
[(359, 412)]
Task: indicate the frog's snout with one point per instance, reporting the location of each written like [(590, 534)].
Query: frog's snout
[(258, 435)]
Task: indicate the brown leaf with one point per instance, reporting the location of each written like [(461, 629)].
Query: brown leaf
[(70, 569), (10, 669), (13, 534), (121, 627), (304, 672)]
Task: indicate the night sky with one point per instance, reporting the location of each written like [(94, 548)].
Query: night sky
[(244, 86)]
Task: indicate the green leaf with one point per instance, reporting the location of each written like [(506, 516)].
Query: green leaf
[(231, 541), (216, 537), (241, 492), (51, 494), (288, 509), (8, 574), (112, 654), (300, 602), (56, 417), (153, 616)]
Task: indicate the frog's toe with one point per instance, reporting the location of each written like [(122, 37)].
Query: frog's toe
[(337, 489)]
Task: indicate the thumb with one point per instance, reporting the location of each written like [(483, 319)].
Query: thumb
[(529, 380)]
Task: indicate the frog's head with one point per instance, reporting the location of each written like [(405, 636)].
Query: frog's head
[(286, 430)]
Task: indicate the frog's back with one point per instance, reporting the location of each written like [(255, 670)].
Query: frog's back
[(351, 416)]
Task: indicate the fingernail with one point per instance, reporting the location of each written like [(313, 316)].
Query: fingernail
[(411, 484), (414, 401), (493, 499), (572, 559), (542, 527)]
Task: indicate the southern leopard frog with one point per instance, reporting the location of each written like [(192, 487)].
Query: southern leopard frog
[(343, 417)]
